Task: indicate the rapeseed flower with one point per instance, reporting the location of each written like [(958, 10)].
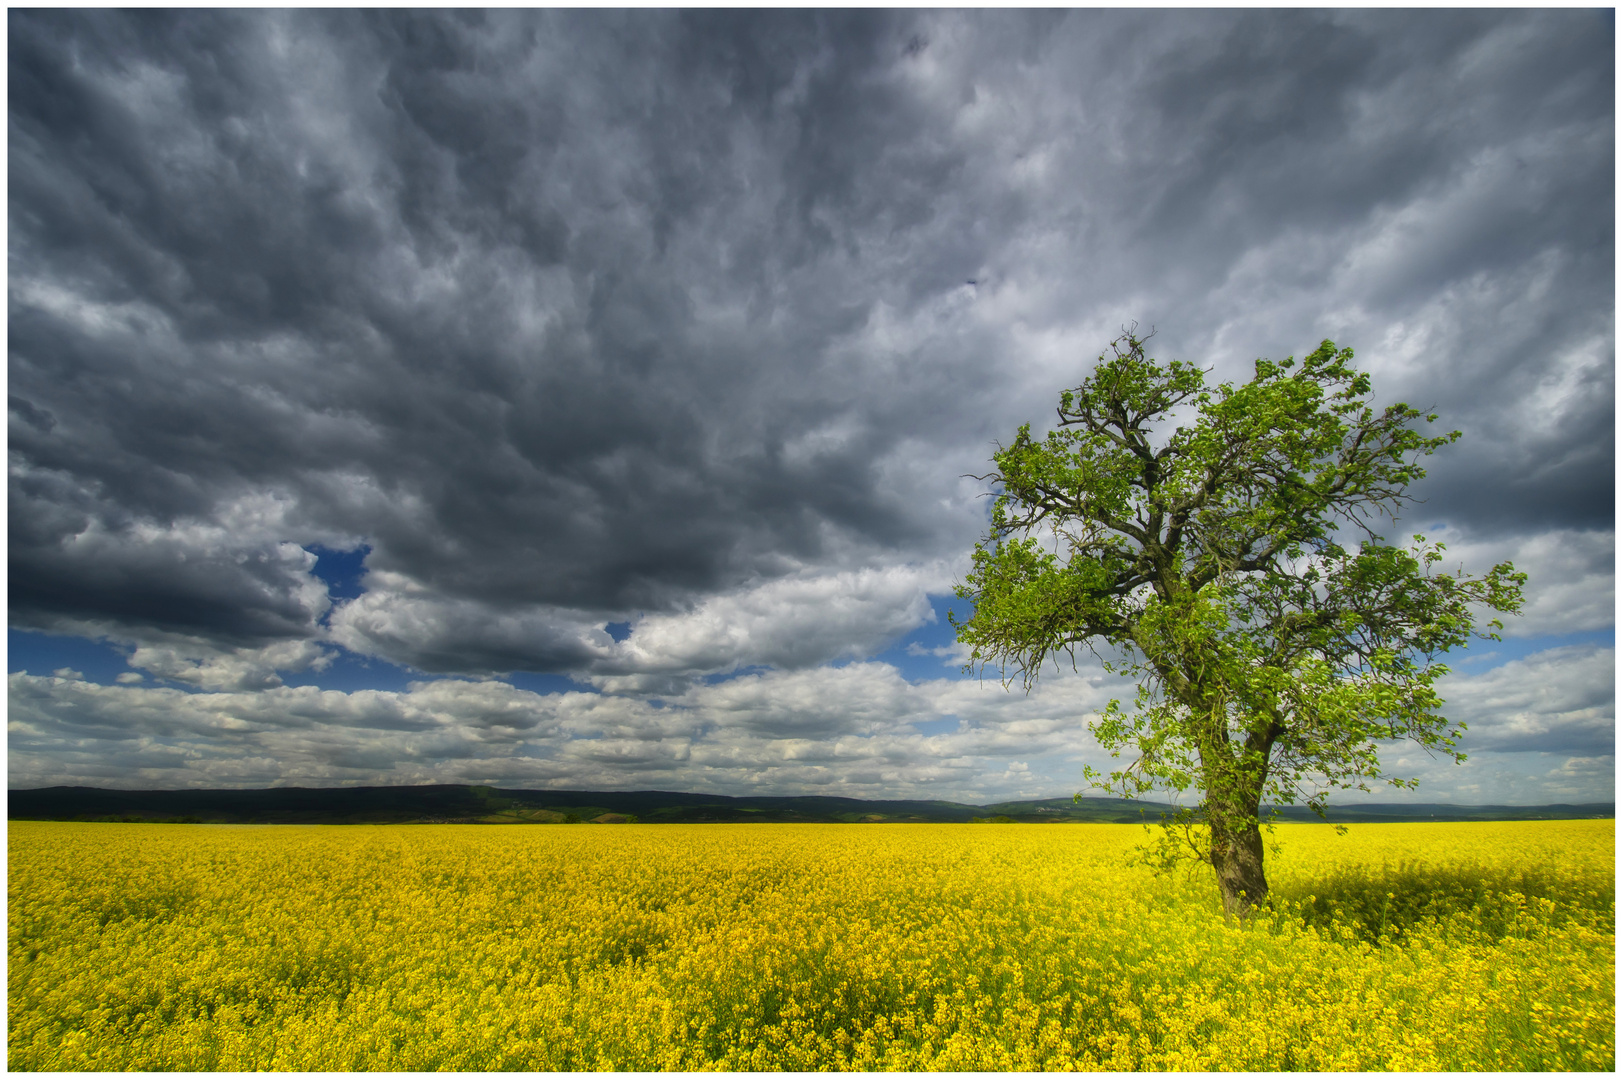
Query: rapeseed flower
[(802, 947)]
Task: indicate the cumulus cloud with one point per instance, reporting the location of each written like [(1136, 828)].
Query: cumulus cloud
[(1570, 578), (208, 668), (400, 621), (851, 730), (793, 622), (860, 699), (1559, 701)]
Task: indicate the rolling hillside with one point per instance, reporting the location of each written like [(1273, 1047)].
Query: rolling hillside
[(448, 803)]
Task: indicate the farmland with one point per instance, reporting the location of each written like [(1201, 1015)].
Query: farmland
[(772, 946)]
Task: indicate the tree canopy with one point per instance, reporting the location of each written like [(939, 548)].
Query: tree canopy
[(1219, 544)]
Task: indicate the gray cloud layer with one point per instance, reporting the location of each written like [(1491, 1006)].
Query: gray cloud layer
[(698, 319)]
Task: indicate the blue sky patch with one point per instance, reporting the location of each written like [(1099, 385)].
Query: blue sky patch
[(42, 654), (942, 725), (350, 672), (543, 683), (1480, 656), (915, 654), (340, 571)]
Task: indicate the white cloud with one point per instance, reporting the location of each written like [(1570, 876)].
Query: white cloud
[(862, 699), (403, 622), (207, 666), (1556, 701), (1570, 579), (1540, 730), (793, 622), (848, 730)]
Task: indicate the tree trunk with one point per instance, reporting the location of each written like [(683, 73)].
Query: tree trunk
[(1237, 858)]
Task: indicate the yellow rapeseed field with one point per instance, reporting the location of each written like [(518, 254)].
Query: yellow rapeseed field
[(750, 947)]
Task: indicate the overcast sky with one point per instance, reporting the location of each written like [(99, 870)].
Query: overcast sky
[(586, 399)]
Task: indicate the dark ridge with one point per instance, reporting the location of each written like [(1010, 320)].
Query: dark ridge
[(457, 803)]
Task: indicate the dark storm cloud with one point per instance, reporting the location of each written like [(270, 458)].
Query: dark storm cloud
[(1485, 141), (370, 278), (575, 316)]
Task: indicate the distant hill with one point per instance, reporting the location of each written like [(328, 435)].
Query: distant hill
[(455, 803)]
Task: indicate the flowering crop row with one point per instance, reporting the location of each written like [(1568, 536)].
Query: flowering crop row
[(801, 947)]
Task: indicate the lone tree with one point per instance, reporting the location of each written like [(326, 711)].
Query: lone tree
[(1208, 559)]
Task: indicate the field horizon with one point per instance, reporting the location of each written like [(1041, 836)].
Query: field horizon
[(483, 804)]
